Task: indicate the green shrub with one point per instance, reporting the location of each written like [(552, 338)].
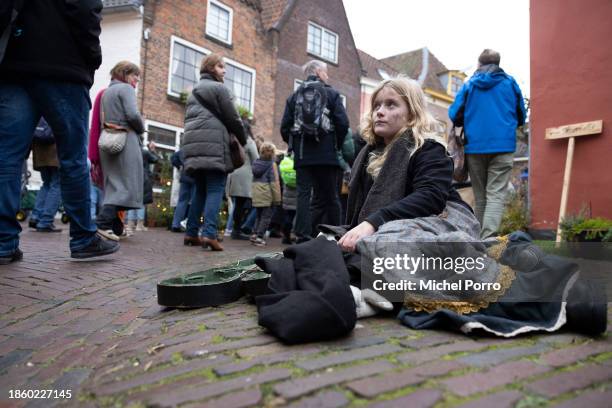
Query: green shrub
[(516, 217)]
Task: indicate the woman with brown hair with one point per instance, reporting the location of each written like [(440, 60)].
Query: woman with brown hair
[(123, 171), (210, 117)]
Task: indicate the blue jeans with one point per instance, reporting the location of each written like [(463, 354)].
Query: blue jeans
[(186, 192), (209, 189), (97, 197), (135, 215), (48, 198), (249, 223), (65, 106)]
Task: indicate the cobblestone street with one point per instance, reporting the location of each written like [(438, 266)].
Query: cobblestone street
[(95, 328)]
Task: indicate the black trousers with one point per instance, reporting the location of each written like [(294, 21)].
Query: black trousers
[(317, 200), (241, 206), (108, 219)]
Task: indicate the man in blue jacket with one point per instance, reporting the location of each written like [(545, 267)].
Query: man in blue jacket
[(489, 107)]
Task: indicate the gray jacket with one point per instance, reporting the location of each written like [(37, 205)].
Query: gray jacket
[(240, 181), (208, 125), (123, 172), (120, 107)]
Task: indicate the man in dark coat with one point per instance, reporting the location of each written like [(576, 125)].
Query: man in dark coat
[(316, 161), (51, 55)]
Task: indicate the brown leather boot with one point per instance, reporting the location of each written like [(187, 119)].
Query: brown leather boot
[(212, 244), (192, 241)]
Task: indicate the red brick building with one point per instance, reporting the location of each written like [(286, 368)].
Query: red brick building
[(571, 81), (264, 43)]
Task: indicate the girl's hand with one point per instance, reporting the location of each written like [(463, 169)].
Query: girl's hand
[(349, 240)]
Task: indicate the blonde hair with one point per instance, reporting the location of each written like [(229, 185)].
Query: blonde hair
[(267, 151), (420, 121)]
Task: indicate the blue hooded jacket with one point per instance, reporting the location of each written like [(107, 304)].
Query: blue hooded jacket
[(491, 106)]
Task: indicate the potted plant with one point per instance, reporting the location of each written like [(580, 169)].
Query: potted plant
[(587, 237)]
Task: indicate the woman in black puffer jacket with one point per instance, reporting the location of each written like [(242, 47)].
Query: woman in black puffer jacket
[(210, 117)]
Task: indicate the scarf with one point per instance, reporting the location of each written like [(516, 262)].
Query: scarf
[(97, 177), (389, 186)]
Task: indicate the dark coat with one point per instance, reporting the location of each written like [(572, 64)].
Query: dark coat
[(404, 189), (323, 152), (59, 41), (207, 128), (177, 160), (148, 158)]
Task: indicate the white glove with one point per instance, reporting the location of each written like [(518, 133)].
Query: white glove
[(369, 303)]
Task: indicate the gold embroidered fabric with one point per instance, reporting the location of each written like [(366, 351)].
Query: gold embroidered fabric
[(505, 279)]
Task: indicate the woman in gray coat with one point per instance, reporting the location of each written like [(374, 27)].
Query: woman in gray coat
[(123, 172), (239, 185), (210, 117)]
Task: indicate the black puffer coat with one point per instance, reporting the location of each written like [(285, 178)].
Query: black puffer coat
[(207, 127)]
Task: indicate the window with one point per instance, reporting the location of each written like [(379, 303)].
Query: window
[(167, 136), (322, 42), (383, 74), (241, 80), (185, 59), (167, 139), (219, 21), (456, 84)]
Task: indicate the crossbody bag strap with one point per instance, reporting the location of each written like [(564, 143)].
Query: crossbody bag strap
[(108, 126)]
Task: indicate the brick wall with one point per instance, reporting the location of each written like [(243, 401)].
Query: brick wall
[(292, 54), (187, 20)]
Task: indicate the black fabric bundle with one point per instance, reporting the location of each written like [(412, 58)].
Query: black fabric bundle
[(311, 299), (548, 293)]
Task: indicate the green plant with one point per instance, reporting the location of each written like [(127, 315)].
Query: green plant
[(159, 214), (580, 225), (516, 217), (244, 112), (183, 97)]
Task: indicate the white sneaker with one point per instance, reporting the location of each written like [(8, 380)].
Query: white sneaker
[(109, 234)]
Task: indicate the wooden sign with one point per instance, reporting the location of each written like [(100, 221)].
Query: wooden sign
[(577, 129), (570, 132)]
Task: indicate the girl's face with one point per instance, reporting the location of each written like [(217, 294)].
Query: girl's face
[(219, 70), (389, 113)]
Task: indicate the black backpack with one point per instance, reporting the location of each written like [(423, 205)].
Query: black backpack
[(310, 109)]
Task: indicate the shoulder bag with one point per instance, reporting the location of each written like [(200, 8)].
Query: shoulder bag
[(456, 143), (237, 153), (112, 137)]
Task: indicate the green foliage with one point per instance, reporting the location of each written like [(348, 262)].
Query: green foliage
[(516, 217), (183, 97), (159, 214), (575, 225), (244, 112)]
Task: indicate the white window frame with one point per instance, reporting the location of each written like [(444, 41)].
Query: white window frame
[(253, 73), (231, 20), (323, 31), (174, 39), (177, 131)]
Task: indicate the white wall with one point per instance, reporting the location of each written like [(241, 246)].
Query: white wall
[(120, 40)]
